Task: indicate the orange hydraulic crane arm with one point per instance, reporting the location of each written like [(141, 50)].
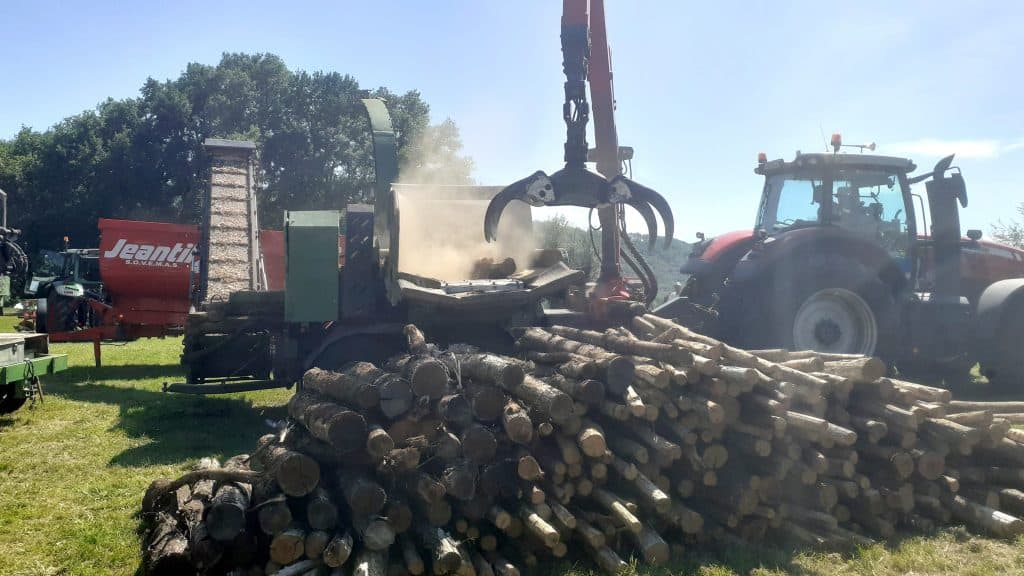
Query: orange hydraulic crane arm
[(586, 60)]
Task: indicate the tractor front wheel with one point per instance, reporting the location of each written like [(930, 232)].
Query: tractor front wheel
[(830, 305), (834, 320)]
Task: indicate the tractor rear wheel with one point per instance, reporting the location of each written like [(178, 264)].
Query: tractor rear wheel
[(830, 305), (1005, 372)]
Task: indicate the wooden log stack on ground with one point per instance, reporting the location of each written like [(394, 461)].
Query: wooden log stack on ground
[(604, 445)]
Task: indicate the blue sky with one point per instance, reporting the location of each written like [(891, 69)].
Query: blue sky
[(702, 87)]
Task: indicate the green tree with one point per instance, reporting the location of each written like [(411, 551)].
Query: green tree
[(142, 158), (1013, 232)]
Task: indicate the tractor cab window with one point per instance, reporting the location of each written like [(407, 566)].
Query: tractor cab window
[(789, 203), (50, 263), (89, 269), (870, 204)]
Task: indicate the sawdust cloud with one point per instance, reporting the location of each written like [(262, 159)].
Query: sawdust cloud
[(441, 229)]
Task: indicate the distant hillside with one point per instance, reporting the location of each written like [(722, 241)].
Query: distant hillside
[(559, 233)]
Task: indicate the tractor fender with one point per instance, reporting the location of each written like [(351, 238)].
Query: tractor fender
[(801, 244), (992, 306), (719, 253)]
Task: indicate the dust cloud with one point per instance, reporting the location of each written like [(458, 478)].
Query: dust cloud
[(441, 226)]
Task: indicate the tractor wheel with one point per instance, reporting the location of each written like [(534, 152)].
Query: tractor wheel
[(830, 305), (63, 313), (1005, 372), (8, 401), (40, 324)]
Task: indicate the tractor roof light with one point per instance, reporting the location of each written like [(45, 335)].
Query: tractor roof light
[(762, 158), (837, 142)]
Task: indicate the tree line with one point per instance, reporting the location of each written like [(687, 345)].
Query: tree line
[(142, 158)]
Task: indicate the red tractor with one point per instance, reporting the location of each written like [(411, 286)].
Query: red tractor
[(835, 262)]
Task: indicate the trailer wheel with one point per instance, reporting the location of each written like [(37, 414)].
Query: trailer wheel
[(1005, 371), (8, 401), (831, 305)]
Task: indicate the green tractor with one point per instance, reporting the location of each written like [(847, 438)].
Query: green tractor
[(62, 279)]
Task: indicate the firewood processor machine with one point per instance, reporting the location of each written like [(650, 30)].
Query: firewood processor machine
[(328, 314)]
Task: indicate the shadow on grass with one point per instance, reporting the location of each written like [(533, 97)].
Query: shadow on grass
[(179, 428), (119, 372)]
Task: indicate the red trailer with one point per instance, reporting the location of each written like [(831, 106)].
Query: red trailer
[(148, 281)]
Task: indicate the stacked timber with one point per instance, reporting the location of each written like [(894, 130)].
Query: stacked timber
[(605, 445)]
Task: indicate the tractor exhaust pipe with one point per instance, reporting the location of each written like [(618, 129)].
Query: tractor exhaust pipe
[(944, 192)]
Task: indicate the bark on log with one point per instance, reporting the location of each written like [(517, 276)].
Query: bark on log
[(338, 550), (459, 480), (619, 345), (478, 444), (492, 369), (416, 343), (226, 519), (858, 369), (316, 542), (487, 402), (986, 519), (166, 551), (274, 516), (589, 391), (333, 423), (363, 495), (454, 409), (549, 401), (956, 406), (516, 423), (295, 473), (353, 385), (618, 371), (444, 553), (617, 508), (321, 513), (536, 525), (399, 514), (427, 376)]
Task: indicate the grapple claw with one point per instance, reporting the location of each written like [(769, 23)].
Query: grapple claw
[(647, 213), (634, 192), (579, 187), (536, 190)]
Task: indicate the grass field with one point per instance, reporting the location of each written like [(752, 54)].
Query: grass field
[(73, 470)]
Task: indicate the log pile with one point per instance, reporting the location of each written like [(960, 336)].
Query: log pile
[(608, 445)]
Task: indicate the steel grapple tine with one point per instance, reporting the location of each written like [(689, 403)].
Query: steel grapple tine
[(535, 190), (645, 195), (647, 213)]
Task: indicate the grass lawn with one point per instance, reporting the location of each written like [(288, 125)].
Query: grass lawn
[(73, 470)]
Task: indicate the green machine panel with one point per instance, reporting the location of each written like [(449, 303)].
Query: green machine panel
[(311, 265)]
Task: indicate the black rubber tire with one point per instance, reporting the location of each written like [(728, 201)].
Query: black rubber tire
[(8, 401), (794, 281), (1005, 372), (63, 310), (40, 327)]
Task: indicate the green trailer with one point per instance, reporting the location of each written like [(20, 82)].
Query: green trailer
[(24, 359)]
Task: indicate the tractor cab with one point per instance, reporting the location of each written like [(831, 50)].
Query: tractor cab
[(74, 271), (865, 197)]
